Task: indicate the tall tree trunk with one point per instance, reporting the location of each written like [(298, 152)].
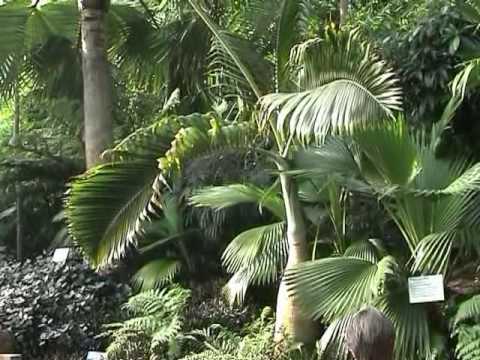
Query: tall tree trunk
[(18, 191), (97, 85), (343, 8), (290, 320)]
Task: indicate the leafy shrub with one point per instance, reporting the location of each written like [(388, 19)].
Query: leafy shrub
[(467, 330), (50, 307), (154, 327), (257, 343), (208, 306)]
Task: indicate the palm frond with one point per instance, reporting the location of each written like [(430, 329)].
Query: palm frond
[(25, 30), (334, 287), (334, 156), (156, 273), (255, 257), (229, 49), (342, 84), (412, 330), (391, 152), (332, 344), (106, 206), (292, 23), (221, 197)]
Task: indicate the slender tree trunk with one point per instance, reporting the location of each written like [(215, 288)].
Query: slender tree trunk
[(14, 141), (343, 7), (290, 321), (97, 86), (19, 201)]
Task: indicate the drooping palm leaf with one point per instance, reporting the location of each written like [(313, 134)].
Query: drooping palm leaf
[(255, 257), (341, 84), (106, 206), (221, 197), (156, 273), (226, 44)]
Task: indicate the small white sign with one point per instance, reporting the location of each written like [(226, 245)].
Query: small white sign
[(60, 255), (95, 355), (425, 289)]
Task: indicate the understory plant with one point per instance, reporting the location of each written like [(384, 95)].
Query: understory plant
[(54, 308), (153, 328)]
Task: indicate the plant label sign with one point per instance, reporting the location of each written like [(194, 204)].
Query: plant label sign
[(61, 255), (95, 355), (425, 289)]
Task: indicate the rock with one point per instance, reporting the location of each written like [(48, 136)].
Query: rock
[(7, 342)]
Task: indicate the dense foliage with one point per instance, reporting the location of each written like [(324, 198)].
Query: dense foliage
[(52, 308), (322, 151)]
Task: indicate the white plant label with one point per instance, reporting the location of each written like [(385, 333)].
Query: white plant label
[(60, 255), (425, 289), (95, 355)]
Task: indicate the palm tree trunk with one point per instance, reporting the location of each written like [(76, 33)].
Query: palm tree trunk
[(290, 321), (97, 87), (343, 7)]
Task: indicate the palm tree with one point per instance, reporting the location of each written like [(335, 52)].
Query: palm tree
[(336, 83), (434, 203), (331, 76), (97, 87)]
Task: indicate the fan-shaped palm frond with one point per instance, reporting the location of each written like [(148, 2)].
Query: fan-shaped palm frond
[(334, 287), (25, 30), (342, 84), (413, 337)]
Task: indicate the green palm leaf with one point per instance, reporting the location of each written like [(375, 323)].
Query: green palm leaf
[(342, 84), (413, 335), (221, 197), (106, 206), (255, 257), (334, 287), (228, 47), (156, 273)]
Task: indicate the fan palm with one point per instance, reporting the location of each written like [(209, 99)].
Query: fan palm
[(434, 203)]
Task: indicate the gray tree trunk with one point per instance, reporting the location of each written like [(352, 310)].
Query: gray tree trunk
[(343, 7), (97, 84), (290, 321), (15, 141)]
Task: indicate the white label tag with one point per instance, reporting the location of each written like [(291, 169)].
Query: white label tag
[(424, 289), (95, 355), (60, 255)]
